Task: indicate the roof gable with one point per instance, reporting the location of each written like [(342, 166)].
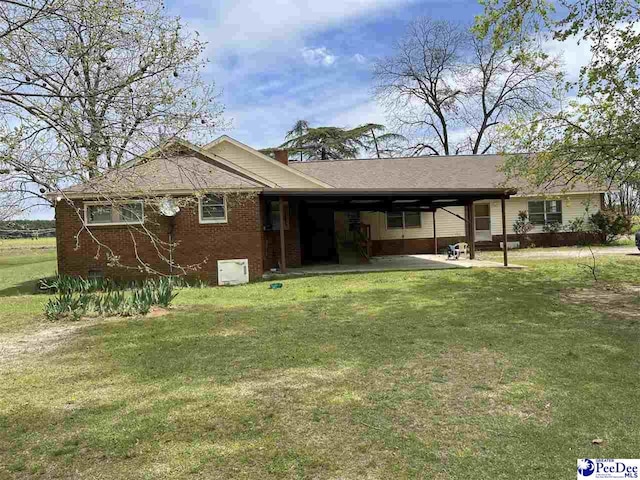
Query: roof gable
[(208, 156), (243, 156), (183, 172)]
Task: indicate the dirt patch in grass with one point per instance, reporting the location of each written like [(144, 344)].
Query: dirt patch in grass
[(617, 300), (157, 312), (485, 382), (38, 343), (52, 335)]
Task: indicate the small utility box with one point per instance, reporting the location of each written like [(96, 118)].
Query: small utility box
[(233, 272)]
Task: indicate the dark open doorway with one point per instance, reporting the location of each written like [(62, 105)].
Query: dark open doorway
[(317, 235)]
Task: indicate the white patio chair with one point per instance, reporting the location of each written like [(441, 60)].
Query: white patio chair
[(458, 249)]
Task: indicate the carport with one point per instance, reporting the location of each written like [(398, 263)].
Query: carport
[(393, 200)]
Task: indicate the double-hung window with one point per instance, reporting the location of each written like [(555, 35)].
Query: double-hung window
[(273, 215), (106, 213), (403, 220), (544, 212), (213, 209)]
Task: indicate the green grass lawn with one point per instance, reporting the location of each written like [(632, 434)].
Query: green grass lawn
[(449, 374), (515, 256), (22, 263)]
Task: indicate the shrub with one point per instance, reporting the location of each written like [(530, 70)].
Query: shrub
[(552, 227), (578, 224), (609, 223), (522, 226), (582, 228)]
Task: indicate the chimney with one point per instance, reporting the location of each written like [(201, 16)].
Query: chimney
[(282, 156)]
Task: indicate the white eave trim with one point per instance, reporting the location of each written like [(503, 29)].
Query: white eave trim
[(54, 196), (253, 151), (558, 194)]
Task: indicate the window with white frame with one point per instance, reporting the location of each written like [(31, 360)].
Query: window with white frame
[(213, 209), (544, 212), (403, 220), (107, 213)]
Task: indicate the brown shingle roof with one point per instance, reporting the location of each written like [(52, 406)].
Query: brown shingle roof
[(177, 173), (431, 172)]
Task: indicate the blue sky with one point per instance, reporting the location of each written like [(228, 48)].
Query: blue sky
[(284, 60), (278, 61)]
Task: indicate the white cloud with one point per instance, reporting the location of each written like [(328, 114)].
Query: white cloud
[(262, 34), (257, 49), (364, 110), (360, 58), (576, 52), (318, 56), (257, 24), (340, 106), (573, 55)]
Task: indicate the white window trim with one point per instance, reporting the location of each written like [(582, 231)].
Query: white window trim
[(108, 224), (490, 229), (212, 220), (404, 223), (544, 211)]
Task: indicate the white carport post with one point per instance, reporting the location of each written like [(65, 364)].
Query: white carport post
[(435, 235), (504, 231)]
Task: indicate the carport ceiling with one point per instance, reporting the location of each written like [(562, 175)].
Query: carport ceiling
[(388, 200)]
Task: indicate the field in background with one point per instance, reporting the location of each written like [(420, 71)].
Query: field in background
[(449, 374), (22, 244), (23, 262)]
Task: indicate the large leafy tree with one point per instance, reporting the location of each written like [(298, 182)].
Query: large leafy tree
[(378, 142), (594, 136), (323, 143), (449, 89)]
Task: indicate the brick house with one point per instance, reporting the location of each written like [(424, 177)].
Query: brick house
[(182, 209)]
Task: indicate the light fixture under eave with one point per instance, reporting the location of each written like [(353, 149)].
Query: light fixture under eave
[(365, 201), (406, 201), (445, 200), (168, 207)]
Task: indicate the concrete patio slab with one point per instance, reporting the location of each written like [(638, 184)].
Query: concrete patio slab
[(390, 263)]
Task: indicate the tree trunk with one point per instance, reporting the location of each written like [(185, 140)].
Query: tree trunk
[(375, 143)]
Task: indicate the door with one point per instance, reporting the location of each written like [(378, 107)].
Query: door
[(318, 236), (482, 213)]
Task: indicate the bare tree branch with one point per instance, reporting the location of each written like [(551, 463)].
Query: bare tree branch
[(443, 82)]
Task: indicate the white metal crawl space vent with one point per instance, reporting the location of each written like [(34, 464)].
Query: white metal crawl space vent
[(233, 272)]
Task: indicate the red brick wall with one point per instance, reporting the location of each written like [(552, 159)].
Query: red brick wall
[(203, 244), (292, 241), (560, 239), (412, 246), (415, 246)]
